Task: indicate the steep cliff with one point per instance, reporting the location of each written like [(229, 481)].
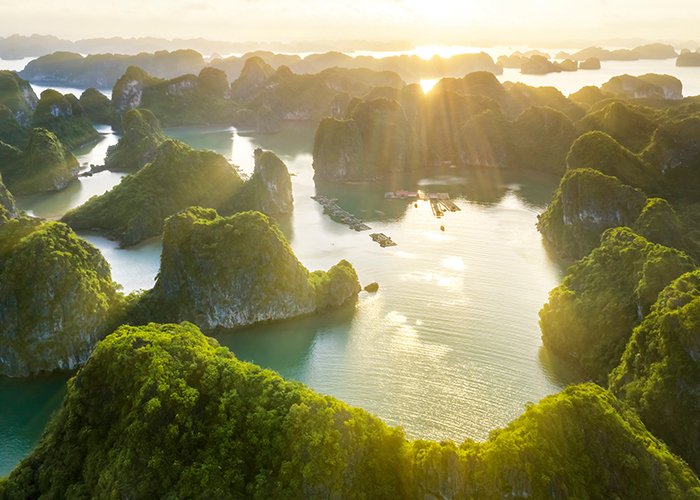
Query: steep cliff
[(590, 316), (56, 298), (585, 204), (376, 140), (128, 90), (163, 412), (252, 78), (660, 371), (18, 96), (140, 139), (650, 85), (8, 209), (64, 116), (184, 100), (44, 166), (269, 189), (230, 272), (178, 177)]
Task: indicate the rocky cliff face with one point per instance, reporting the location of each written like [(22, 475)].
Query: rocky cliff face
[(128, 91), (138, 143), (375, 141), (185, 100), (584, 206), (269, 189), (646, 86), (236, 271), (254, 74), (56, 296), (8, 210), (18, 96), (44, 166)]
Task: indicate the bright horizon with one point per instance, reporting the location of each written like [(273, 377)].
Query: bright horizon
[(435, 22)]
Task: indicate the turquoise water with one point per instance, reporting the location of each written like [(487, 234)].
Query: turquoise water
[(449, 348)]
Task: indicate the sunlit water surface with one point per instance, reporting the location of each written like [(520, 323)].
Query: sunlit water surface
[(449, 348)]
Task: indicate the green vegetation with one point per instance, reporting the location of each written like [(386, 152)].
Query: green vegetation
[(599, 151), (631, 126), (8, 210), (585, 204), (137, 146), (11, 132), (64, 116), (18, 96), (44, 166), (591, 315), (56, 295), (269, 189), (234, 271), (177, 178), (659, 223), (97, 107), (184, 100), (659, 372), (162, 411)]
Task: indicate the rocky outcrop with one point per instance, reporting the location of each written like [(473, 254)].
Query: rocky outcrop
[(375, 141), (18, 96), (8, 209), (178, 177), (56, 298), (97, 106), (44, 166), (587, 203), (688, 59), (590, 63), (651, 86), (567, 65), (253, 76), (185, 100), (231, 272), (139, 142), (269, 189), (538, 65), (65, 117), (128, 90)]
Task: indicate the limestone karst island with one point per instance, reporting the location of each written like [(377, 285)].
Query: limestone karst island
[(386, 250)]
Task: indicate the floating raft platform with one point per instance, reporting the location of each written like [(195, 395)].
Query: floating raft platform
[(330, 206), (439, 202), (383, 240)]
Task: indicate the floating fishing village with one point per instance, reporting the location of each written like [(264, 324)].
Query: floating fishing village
[(439, 204)]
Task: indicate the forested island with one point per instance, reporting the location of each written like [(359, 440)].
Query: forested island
[(158, 409)]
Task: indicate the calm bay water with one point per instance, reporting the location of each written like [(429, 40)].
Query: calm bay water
[(449, 348)]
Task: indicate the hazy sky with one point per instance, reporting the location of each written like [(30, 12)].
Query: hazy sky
[(422, 22)]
